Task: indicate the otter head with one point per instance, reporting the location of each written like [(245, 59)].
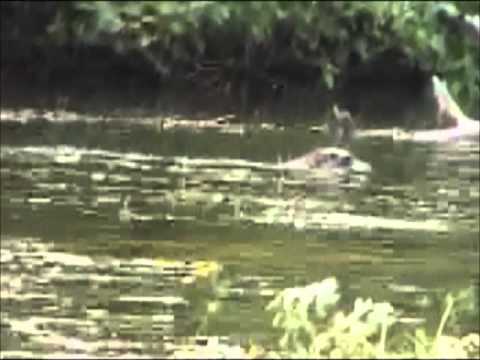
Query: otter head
[(339, 159), (330, 162)]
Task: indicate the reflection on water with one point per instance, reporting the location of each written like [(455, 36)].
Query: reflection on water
[(129, 242)]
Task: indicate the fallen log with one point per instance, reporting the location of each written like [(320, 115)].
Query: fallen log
[(454, 123)]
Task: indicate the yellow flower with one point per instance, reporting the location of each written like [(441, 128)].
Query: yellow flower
[(205, 268)]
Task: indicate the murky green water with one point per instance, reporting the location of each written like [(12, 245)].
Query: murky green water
[(122, 239)]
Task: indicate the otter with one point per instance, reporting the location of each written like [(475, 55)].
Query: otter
[(333, 161), (327, 161)]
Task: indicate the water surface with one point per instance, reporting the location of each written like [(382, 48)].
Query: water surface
[(119, 238)]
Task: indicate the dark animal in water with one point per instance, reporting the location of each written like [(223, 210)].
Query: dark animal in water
[(331, 162), (327, 162)]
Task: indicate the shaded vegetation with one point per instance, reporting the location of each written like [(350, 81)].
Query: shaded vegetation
[(251, 54)]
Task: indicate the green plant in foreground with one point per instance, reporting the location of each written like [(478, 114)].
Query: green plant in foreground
[(312, 330)]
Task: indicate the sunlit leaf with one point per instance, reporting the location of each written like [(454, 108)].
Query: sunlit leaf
[(283, 342), (278, 320)]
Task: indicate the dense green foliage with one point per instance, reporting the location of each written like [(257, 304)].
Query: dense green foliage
[(313, 329), (262, 36)]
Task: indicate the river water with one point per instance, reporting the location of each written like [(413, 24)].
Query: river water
[(120, 237)]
